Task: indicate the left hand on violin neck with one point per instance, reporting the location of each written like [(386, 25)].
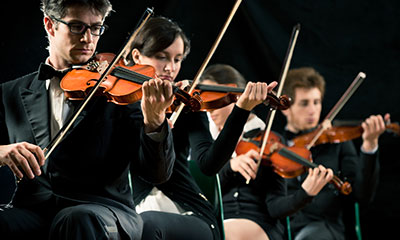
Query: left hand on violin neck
[(254, 94)]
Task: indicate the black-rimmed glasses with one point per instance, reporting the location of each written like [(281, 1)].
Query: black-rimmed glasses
[(81, 28)]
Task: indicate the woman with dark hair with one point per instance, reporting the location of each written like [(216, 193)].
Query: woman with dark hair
[(177, 209)]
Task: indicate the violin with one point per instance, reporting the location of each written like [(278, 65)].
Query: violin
[(288, 162), (338, 134), (122, 86), (218, 96)]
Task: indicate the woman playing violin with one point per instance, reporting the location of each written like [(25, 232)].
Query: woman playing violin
[(177, 209), (322, 218), (253, 211), (82, 190)]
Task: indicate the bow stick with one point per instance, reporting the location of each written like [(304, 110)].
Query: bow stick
[(326, 123), (282, 77), (196, 80)]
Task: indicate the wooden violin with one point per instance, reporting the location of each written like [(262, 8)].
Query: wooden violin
[(338, 134), (288, 162), (123, 86)]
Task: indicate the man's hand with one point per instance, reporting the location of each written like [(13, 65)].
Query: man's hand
[(25, 156), (373, 127)]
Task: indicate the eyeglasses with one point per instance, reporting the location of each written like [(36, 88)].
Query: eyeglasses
[(81, 28)]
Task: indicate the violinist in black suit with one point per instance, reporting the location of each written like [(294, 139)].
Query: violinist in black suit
[(322, 218), (81, 191)]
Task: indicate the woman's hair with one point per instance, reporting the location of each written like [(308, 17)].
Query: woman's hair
[(223, 74), (305, 77), (58, 8), (157, 34)]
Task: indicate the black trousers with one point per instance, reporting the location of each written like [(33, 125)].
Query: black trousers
[(47, 221), (163, 225), (28, 222), (318, 231)]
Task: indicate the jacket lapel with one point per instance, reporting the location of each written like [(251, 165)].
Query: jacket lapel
[(35, 103)]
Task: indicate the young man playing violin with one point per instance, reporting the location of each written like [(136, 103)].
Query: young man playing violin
[(81, 191), (322, 218), (254, 210)]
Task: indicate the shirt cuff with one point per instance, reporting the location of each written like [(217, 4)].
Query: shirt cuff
[(159, 136), (373, 151)]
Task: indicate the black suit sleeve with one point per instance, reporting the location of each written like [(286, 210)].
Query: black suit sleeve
[(280, 204), (156, 155), (367, 177), (212, 155)]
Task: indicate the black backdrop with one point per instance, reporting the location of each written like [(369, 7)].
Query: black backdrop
[(338, 38)]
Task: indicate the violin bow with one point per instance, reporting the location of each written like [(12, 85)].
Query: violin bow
[(196, 80), (123, 51), (282, 77), (326, 123)]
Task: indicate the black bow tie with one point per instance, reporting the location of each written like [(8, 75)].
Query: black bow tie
[(47, 72), (290, 135)]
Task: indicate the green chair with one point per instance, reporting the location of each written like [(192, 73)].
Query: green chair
[(211, 187), (357, 221), (357, 225)]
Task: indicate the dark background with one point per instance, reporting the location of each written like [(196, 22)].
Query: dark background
[(338, 38)]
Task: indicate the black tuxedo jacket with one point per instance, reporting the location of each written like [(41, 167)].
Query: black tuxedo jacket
[(92, 162)]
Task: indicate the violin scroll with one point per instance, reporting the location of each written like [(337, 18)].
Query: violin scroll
[(281, 103)]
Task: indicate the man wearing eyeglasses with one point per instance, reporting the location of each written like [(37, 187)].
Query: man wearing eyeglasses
[(81, 191)]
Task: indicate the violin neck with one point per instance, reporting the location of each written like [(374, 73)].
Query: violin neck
[(295, 157), (129, 75), (219, 88)]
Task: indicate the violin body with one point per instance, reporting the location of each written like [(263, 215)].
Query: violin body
[(283, 166), (78, 82)]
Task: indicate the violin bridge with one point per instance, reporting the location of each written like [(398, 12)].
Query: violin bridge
[(97, 66), (274, 147)]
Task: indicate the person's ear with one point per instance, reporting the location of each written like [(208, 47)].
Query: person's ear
[(136, 56), (49, 25)]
